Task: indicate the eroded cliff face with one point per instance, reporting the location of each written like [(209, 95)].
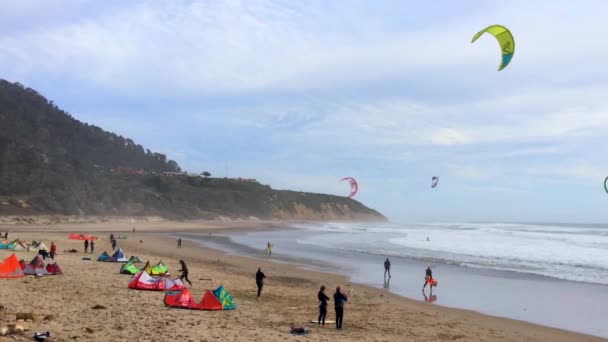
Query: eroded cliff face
[(327, 212)]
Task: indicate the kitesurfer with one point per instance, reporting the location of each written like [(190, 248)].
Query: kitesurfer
[(259, 280), (179, 242), (184, 271), (339, 300), (428, 277), (387, 268), (323, 298)]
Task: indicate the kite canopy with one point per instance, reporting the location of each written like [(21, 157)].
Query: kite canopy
[(606, 184), (434, 181), (10, 268), (143, 281), (505, 40), (354, 187), (75, 236)]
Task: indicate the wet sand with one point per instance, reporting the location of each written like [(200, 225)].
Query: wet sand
[(289, 297)]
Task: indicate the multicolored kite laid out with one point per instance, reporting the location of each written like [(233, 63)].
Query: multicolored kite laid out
[(143, 281), (434, 181), (505, 39), (354, 187), (219, 299), (75, 236), (606, 184)]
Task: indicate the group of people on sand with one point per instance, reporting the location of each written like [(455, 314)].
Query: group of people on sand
[(339, 300), (88, 244), (428, 278)]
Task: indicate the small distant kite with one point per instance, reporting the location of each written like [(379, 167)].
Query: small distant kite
[(505, 39), (606, 184), (434, 181), (354, 187)]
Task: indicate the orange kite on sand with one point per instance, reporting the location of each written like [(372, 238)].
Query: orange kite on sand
[(10, 268)]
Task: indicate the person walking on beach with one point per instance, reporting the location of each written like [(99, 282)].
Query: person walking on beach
[(111, 237), (53, 250), (269, 249), (113, 244), (184, 271), (179, 242), (323, 298), (339, 300), (259, 280), (387, 268), (86, 246), (92, 246), (428, 278)]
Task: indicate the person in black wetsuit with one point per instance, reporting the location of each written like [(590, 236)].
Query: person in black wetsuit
[(184, 271), (387, 268), (259, 280), (86, 246), (179, 243), (323, 298), (339, 300), (428, 277)]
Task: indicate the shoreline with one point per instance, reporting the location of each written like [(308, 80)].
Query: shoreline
[(288, 297)]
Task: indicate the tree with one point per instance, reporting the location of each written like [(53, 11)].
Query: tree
[(205, 174)]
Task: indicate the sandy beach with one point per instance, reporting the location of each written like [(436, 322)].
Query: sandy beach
[(289, 297)]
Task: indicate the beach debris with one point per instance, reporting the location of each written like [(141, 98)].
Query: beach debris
[(98, 307), (89, 330), (300, 331), (41, 336)]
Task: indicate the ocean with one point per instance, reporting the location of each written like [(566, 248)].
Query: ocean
[(550, 274)]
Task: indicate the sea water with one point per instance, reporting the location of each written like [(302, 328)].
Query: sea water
[(550, 274)]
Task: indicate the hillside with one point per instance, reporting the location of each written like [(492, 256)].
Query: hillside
[(51, 163)]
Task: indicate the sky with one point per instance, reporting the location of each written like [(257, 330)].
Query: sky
[(299, 94)]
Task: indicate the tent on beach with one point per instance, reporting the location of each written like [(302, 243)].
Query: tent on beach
[(10, 268), (54, 269), (159, 269), (219, 299), (104, 257), (35, 267), (143, 281), (129, 268), (119, 256)]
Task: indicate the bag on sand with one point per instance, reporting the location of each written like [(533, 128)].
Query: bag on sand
[(298, 331)]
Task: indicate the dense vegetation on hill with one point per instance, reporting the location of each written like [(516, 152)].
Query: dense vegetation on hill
[(54, 164)]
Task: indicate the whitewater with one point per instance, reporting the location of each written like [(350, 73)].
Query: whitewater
[(575, 252)]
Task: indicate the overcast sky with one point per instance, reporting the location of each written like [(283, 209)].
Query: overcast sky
[(300, 94)]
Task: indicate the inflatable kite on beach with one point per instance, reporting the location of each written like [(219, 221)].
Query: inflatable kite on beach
[(434, 181), (505, 39), (354, 187), (606, 184)]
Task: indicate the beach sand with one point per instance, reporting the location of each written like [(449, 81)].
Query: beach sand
[(288, 298)]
